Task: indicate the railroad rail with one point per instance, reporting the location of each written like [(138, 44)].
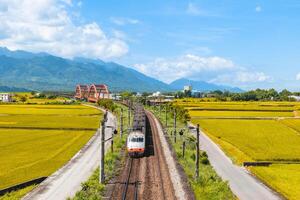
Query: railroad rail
[(146, 177), (128, 182)]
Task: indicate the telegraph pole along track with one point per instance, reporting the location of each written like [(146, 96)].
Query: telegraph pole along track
[(146, 177)]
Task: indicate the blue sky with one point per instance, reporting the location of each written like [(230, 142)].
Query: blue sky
[(243, 43)]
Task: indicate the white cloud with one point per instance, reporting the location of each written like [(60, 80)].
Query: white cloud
[(246, 76), (241, 76), (48, 25), (258, 8), (192, 9), (188, 65), (212, 69), (298, 77), (121, 21)]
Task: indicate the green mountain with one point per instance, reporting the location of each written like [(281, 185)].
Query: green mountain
[(12, 89), (50, 73)]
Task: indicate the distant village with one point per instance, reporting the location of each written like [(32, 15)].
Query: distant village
[(95, 92)]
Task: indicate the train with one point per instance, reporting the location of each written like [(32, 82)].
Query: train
[(136, 139)]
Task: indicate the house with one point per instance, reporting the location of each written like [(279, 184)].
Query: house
[(297, 98), (5, 97)]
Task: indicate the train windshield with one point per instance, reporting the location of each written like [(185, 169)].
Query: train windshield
[(137, 139)]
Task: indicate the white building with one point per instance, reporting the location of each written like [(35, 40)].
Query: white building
[(295, 97), (5, 97), (187, 88)]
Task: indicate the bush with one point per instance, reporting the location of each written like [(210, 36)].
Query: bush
[(107, 104)]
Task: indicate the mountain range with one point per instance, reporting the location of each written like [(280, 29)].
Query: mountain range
[(42, 71)]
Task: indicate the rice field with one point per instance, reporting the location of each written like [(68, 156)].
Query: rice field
[(239, 106), (24, 109), (255, 138), (261, 140), (206, 113), (284, 178), (292, 123), (36, 140), (29, 154)]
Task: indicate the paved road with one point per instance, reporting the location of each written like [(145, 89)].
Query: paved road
[(67, 181), (242, 184)]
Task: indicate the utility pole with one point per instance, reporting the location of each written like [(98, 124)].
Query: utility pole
[(183, 149), (159, 109), (175, 125), (197, 153), (166, 116), (102, 149), (121, 123), (129, 113)]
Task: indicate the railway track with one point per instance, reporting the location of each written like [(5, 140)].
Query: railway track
[(146, 177), (134, 183)]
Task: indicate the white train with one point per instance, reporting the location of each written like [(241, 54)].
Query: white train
[(136, 140), (136, 144)]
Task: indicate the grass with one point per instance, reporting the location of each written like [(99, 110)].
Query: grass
[(259, 139), (92, 189), (30, 153), (284, 178), (16, 195), (209, 185)]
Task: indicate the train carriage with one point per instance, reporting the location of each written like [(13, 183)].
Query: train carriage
[(136, 138)]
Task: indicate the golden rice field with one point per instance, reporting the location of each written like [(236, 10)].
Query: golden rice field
[(255, 139), (238, 106), (38, 151), (261, 140), (284, 178), (213, 113)]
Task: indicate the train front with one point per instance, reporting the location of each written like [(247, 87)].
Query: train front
[(136, 144)]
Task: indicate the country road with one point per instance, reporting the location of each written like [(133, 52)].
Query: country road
[(241, 182), (67, 180)]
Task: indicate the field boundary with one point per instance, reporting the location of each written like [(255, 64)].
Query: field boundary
[(242, 110), (46, 128), (248, 118), (22, 185)]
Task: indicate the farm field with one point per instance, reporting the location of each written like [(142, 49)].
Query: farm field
[(205, 113), (46, 109), (261, 140), (239, 106), (50, 121), (292, 123), (31, 153), (251, 139), (284, 178)]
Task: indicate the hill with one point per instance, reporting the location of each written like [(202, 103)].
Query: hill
[(42, 71), (12, 89), (201, 86)]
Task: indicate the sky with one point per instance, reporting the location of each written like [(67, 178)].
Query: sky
[(248, 44)]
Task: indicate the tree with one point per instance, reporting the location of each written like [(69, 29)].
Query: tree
[(23, 99)]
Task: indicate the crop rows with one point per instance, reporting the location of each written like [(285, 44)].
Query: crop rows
[(36, 140), (255, 140)]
